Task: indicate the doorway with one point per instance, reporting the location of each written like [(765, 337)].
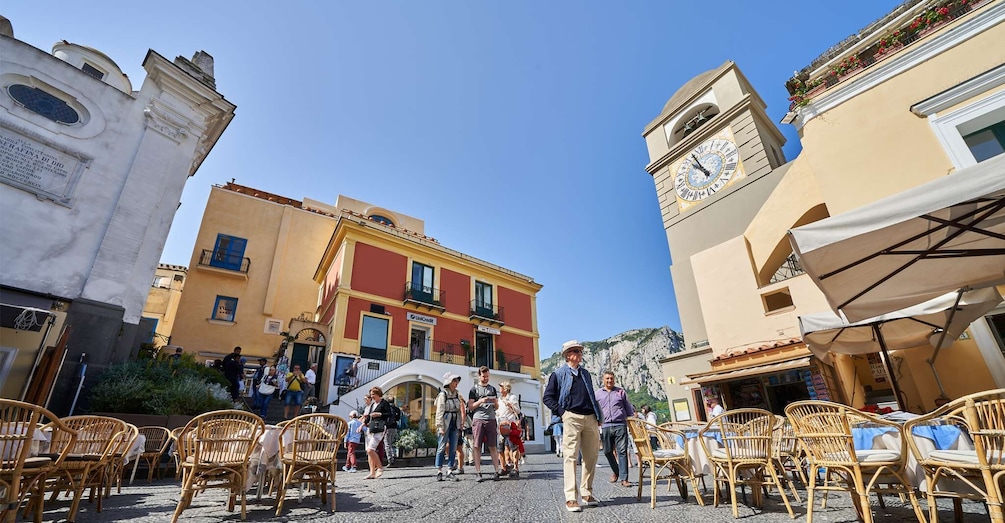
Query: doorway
[(483, 349), (419, 343)]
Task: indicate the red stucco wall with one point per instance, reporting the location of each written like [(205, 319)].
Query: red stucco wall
[(457, 289), (377, 271), (516, 308)]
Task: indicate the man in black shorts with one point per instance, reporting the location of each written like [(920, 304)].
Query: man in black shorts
[(482, 401)]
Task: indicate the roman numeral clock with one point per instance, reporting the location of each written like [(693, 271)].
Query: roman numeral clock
[(707, 168)]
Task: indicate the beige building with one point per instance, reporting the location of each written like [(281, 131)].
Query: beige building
[(251, 274), (904, 103), (162, 303)]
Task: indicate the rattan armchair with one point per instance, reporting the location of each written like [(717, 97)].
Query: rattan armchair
[(117, 465), (156, 442), (786, 452), (825, 431), (22, 470), (309, 453), (87, 444), (745, 457), (982, 416), (214, 449), (670, 461)]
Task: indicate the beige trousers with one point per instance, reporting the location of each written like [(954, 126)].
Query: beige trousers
[(580, 432)]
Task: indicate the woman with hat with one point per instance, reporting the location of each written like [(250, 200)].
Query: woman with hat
[(449, 416)]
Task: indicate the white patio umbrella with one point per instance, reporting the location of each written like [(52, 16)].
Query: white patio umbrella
[(935, 323), (911, 247)]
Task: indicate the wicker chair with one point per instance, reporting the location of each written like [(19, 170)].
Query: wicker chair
[(214, 449), (745, 457), (787, 454), (118, 460), (982, 416), (22, 470), (825, 431), (156, 442), (88, 444), (670, 461), (309, 453)]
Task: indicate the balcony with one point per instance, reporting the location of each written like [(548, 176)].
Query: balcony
[(789, 269), (421, 296), (486, 313), (223, 263)]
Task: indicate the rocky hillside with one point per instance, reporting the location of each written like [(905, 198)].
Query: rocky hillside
[(633, 356)]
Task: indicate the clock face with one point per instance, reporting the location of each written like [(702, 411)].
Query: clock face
[(706, 169)]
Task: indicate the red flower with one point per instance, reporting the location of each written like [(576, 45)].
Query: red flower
[(943, 11)]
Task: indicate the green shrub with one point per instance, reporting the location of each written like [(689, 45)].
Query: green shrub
[(409, 440), (160, 386)]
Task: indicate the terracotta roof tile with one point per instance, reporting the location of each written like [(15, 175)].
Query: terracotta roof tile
[(751, 349)]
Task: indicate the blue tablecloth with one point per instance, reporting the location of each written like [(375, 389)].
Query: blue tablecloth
[(944, 436), (863, 437), (691, 434)]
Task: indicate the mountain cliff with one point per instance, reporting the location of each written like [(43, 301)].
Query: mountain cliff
[(633, 356)]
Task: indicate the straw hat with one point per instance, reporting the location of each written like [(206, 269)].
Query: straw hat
[(571, 344)]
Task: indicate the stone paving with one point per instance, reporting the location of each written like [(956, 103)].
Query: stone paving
[(412, 494)]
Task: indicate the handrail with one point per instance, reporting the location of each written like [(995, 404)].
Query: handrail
[(221, 260)]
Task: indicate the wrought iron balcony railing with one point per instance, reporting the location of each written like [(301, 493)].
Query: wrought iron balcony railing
[(790, 268), (223, 260), (418, 294), (486, 312)]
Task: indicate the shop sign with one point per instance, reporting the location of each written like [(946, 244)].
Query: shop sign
[(490, 330), (428, 320)]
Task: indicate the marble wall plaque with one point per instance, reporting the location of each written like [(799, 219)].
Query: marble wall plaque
[(33, 164)]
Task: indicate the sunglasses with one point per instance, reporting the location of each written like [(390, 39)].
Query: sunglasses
[(575, 351)]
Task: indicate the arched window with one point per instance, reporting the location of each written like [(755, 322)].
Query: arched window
[(381, 219), (694, 119)]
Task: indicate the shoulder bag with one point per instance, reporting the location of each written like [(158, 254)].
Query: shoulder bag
[(265, 389)]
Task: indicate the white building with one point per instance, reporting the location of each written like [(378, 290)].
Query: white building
[(92, 173)]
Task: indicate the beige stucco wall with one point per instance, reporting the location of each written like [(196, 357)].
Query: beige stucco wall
[(731, 299), (285, 245), (873, 146), (162, 302), (677, 367)]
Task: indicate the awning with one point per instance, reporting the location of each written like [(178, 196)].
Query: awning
[(910, 247), (758, 370)]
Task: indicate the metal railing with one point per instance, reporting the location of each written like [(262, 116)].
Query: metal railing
[(430, 296), (445, 352), (222, 260), (486, 311), (790, 268)]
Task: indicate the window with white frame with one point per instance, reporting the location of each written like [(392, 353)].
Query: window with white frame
[(971, 132)]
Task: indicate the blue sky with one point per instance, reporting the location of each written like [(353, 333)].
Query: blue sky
[(512, 128)]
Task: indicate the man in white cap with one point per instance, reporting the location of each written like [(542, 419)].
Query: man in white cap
[(571, 398)]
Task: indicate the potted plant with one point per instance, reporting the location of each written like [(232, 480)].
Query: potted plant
[(469, 353)]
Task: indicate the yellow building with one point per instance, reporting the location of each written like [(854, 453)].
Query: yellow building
[(162, 302), (916, 96), (251, 274)]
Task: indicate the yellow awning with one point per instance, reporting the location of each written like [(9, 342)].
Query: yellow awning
[(758, 370)]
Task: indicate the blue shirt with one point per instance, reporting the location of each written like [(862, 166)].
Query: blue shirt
[(354, 436)]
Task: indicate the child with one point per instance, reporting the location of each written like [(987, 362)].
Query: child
[(352, 440)]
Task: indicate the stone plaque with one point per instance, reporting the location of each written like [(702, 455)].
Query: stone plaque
[(32, 164)]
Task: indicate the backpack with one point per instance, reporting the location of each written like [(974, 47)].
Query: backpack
[(395, 417)]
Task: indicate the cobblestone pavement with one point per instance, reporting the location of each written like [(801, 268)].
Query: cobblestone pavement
[(412, 494)]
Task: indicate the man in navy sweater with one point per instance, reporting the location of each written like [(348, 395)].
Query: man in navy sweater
[(571, 398)]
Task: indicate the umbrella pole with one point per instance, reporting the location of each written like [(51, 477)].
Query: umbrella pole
[(938, 346), (889, 366)]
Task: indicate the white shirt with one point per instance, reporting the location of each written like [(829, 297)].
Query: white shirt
[(311, 376), (651, 418), (716, 410), (504, 412)]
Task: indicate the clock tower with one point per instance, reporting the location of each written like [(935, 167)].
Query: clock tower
[(712, 141)]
